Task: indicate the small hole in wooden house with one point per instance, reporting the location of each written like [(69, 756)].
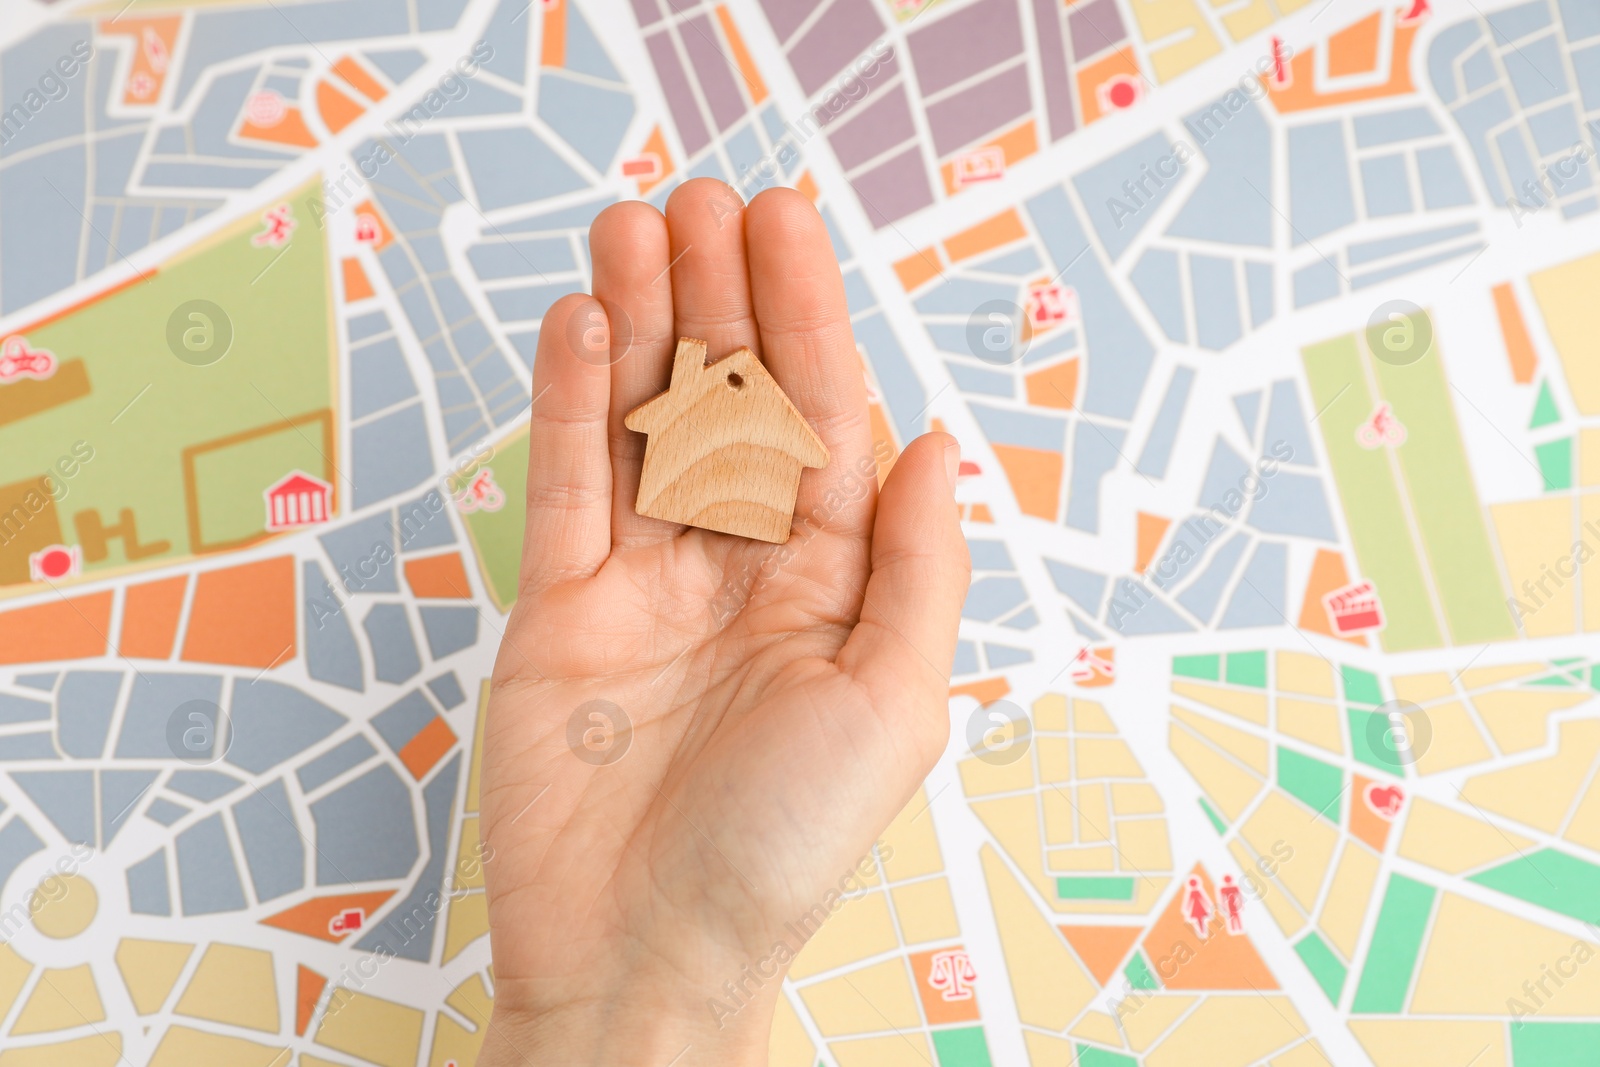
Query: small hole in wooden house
[(735, 381)]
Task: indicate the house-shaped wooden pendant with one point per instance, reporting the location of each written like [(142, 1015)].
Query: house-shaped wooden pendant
[(725, 447)]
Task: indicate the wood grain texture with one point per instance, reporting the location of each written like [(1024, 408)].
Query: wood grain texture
[(725, 447)]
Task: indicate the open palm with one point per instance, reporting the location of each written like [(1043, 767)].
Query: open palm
[(691, 735)]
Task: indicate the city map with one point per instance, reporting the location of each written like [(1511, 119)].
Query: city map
[(1269, 332)]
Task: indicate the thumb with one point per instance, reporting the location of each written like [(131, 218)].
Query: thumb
[(903, 647)]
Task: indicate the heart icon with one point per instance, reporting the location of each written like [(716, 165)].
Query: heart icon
[(1385, 800)]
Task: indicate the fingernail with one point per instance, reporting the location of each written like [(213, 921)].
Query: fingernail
[(952, 463)]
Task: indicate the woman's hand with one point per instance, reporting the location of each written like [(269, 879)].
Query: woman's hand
[(692, 735)]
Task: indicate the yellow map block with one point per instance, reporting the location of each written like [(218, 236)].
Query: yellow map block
[(1518, 719), (1245, 747), (372, 1028), (914, 844), (1230, 1032), (1432, 1042), (1230, 786), (1306, 675), (182, 1047), (1146, 1018), (867, 1001), (1534, 534), (150, 969), (1048, 984), (1566, 299), (860, 928), (62, 1000), (1182, 22), (1279, 821), (14, 971), (1457, 741), (1478, 958), (926, 911), (1248, 705), (1311, 722), (896, 1050), (1421, 688), (1453, 841), (1539, 793), (233, 985), (1273, 897), (789, 1045), (96, 1050), (1349, 897)]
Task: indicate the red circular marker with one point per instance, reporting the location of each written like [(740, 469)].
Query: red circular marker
[(1122, 94), (55, 563)]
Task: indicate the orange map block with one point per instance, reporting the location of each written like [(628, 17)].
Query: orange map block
[(1101, 948), (1519, 346), (1220, 960), (243, 616), (439, 576), (308, 990), (73, 628), (313, 918), (150, 615), (428, 746)]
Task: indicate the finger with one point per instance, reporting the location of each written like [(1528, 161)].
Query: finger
[(631, 253), (569, 467), (806, 343), (710, 281), (904, 644)]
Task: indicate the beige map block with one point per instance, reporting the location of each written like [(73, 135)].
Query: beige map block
[(980, 778), (789, 1045), (1453, 841), (1181, 22), (1048, 984), (1305, 1054), (1229, 1031), (150, 969), (96, 1050), (862, 927), (1147, 1016), (1247, 20), (1421, 688), (1589, 457), (1094, 813), (62, 1000), (14, 971), (913, 841), (472, 999), (1534, 534), (1477, 959), (867, 1001), (1273, 897), (1307, 675), (1078, 860), (1143, 844), (1245, 747), (1106, 757), (1047, 1051), (466, 921), (1135, 798), (1539, 793), (1432, 1042), (1518, 719), (1311, 722), (896, 1050), (1483, 677), (1247, 704), (1349, 897), (1060, 820), (233, 985), (1589, 572), (1014, 822), (1584, 829), (1230, 787), (1457, 740), (1566, 299), (1050, 713), (1100, 1027), (65, 905), (454, 1043), (1055, 760), (371, 1028), (1279, 821), (182, 1047), (926, 911), (1089, 717)]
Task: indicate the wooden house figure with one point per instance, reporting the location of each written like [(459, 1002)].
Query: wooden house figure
[(725, 447)]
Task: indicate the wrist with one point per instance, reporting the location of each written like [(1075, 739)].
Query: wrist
[(628, 1031)]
